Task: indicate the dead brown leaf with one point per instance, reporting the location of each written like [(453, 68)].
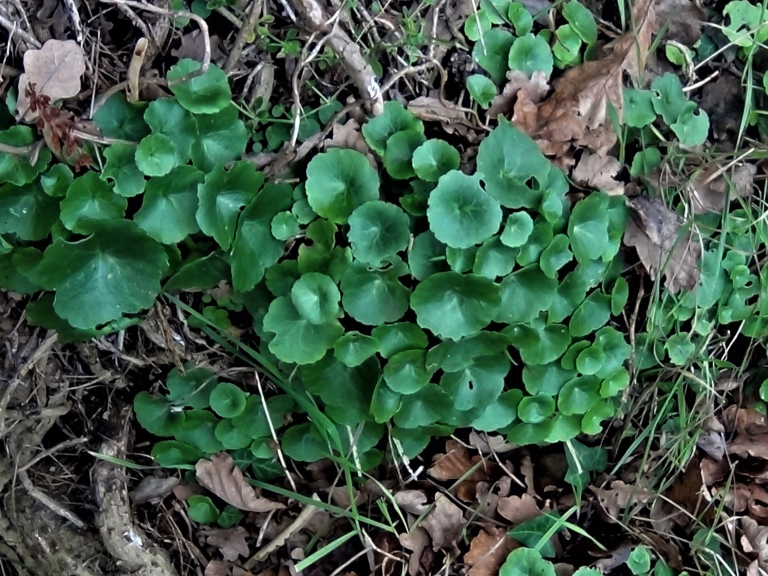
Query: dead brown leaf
[(218, 568), (193, 46), (654, 231), (713, 472), (221, 476), (152, 488), (709, 191), (619, 496), (489, 444), (595, 171), (683, 19), (231, 543), (455, 464), (348, 135), (487, 551), (416, 541), (754, 539), (518, 509), (737, 419), (751, 441), (443, 523), (723, 101), (54, 70), (534, 88), (431, 109), (576, 112), (615, 559), (412, 501), (713, 443)]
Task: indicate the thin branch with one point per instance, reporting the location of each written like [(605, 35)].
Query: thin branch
[(14, 29), (246, 30)]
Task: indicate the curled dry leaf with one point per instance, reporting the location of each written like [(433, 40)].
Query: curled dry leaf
[(595, 171), (455, 464), (230, 542), (412, 501), (576, 112), (152, 488), (619, 496), (487, 551), (654, 231), (518, 509), (218, 568), (752, 441), (709, 190), (534, 89), (348, 135), (54, 70), (683, 20), (616, 558), (416, 541), (723, 101), (443, 523), (221, 476), (489, 444), (713, 443), (754, 539), (751, 498)]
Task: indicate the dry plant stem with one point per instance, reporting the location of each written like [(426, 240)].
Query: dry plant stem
[(297, 525), (180, 13), (134, 69), (314, 18), (246, 30), (274, 433), (229, 16), (49, 502), (74, 15), (14, 30), (53, 450), (122, 538)]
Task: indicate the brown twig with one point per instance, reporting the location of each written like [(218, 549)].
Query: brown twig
[(14, 29), (49, 502), (245, 31), (134, 69)]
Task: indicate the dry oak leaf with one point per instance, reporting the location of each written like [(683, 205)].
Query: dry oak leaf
[(577, 110), (710, 189), (488, 550), (348, 135), (683, 19), (221, 476), (54, 70), (443, 523), (595, 171), (218, 568), (412, 501), (754, 539), (751, 441), (534, 88), (489, 444), (231, 543), (455, 464), (416, 541), (518, 509), (619, 496), (654, 231)]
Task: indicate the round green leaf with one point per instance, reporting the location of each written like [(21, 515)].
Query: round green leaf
[(582, 20), (638, 107), (394, 338), (252, 421), (303, 443), (691, 129), (520, 17), (524, 294), (592, 421), (555, 256), (668, 97), (535, 409), (427, 256), (494, 259), (614, 384), (192, 388), (425, 407), (15, 168), (384, 403), (338, 181), (222, 196), (500, 414), (171, 453), (116, 270), (454, 356), (568, 360), (567, 49), (296, 339), (452, 305), (156, 155), (405, 373), (202, 510), (478, 385), (354, 348), (579, 395), (122, 170), (169, 205), (118, 118), (155, 415), (588, 227), (373, 297), (230, 437), (399, 153), (539, 344), (680, 349), (377, 230), (508, 160), (593, 313), (483, 91), (546, 378), (517, 230), (639, 561), (316, 298), (207, 93), (491, 54), (377, 131), (590, 360), (227, 400), (537, 242), (530, 54), (27, 211), (460, 212), (89, 199), (199, 429), (221, 138), (255, 249), (434, 158), (284, 226), (56, 181), (619, 295), (477, 24), (166, 116), (461, 260)]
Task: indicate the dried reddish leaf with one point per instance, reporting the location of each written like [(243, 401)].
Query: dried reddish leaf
[(416, 541), (488, 550), (54, 71), (455, 464), (221, 476), (443, 523), (595, 171), (230, 542), (518, 509), (619, 496), (655, 232)]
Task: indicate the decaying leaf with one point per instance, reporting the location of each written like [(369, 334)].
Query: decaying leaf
[(618, 496), (754, 539), (443, 523), (577, 111), (54, 71), (488, 550), (751, 498), (723, 101), (416, 541), (713, 443), (595, 171), (193, 46), (431, 109), (751, 440), (455, 464), (709, 190), (534, 88), (489, 444), (683, 20), (654, 231), (221, 476), (615, 559), (230, 542), (218, 568), (412, 501), (518, 509), (152, 488), (348, 135)]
